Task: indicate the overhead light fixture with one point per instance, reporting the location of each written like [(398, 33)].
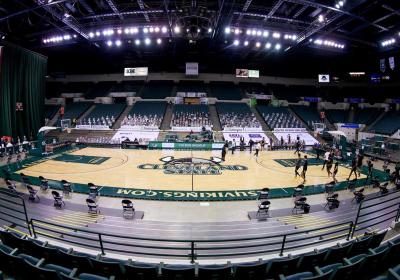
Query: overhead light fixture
[(265, 33), (276, 35), (246, 43), (278, 46), (164, 29), (321, 18), (177, 29), (236, 42), (237, 31), (159, 41), (258, 44), (118, 43), (147, 41), (209, 30), (227, 30), (109, 43), (268, 45), (137, 42)]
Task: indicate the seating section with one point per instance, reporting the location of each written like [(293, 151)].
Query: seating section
[(50, 111), (77, 87), (127, 86), (225, 91), (75, 110), (253, 88), (104, 114), (101, 89), (367, 115), (236, 115), (336, 115), (145, 114), (191, 86), (279, 117), (363, 258), (190, 116), (309, 114), (388, 125), (157, 90)]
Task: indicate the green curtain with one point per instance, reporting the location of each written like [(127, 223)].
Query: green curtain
[(22, 79)]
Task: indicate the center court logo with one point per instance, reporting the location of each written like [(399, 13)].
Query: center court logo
[(192, 165)]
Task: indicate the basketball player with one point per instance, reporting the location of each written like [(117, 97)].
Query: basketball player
[(258, 147), (305, 166), (360, 158), (326, 158), (329, 166), (223, 153), (297, 167), (297, 151), (335, 171), (370, 166), (353, 168), (233, 146)]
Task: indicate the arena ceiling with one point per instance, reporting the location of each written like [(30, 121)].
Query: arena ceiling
[(245, 26)]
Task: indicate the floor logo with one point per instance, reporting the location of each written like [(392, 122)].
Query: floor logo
[(192, 165)]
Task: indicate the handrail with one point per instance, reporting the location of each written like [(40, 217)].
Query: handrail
[(102, 242)]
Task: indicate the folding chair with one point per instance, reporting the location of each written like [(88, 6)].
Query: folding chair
[(264, 193), (263, 208), (67, 189), (93, 191), (332, 202), (298, 191), (25, 180), (330, 188), (358, 196), (58, 199), (11, 186), (127, 209), (301, 205), (32, 194), (352, 185), (44, 184), (92, 205), (383, 188)]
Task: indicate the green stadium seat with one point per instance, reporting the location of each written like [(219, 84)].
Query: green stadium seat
[(297, 276), (141, 271), (250, 271), (107, 268), (176, 272), (215, 272), (310, 260), (285, 266)]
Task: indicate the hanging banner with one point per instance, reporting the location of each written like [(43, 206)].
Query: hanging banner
[(19, 106), (382, 65), (391, 62)]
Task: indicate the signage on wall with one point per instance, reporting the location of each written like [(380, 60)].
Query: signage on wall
[(136, 72), (324, 78), (192, 69)]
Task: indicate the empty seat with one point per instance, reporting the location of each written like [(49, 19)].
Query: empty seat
[(176, 272), (215, 272), (58, 199), (127, 209), (92, 206)]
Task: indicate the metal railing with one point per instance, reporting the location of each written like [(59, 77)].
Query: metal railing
[(370, 213), (13, 210), (191, 249)]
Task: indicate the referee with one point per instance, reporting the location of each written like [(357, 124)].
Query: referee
[(298, 165)]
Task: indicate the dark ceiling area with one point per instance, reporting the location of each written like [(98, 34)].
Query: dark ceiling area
[(279, 37)]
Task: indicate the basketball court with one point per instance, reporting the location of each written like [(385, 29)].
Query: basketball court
[(180, 170)]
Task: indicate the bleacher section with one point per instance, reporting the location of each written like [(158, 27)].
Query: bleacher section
[(157, 90), (75, 110), (145, 114), (309, 114), (388, 125), (362, 258), (278, 117), (77, 87), (225, 91), (104, 115), (336, 115), (190, 116), (191, 86), (127, 86), (101, 89), (367, 115), (236, 115), (54, 89), (283, 92), (50, 111)]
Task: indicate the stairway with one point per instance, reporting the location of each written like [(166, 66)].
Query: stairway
[(117, 123), (366, 128), (298, 118), (214, 118), (85, 114), (54, 120), (260, 119), (166, 123)]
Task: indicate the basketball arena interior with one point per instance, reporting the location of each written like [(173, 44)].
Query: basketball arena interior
[(229, 139)]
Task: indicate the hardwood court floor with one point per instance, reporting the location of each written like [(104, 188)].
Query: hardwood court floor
[(121, 170)]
